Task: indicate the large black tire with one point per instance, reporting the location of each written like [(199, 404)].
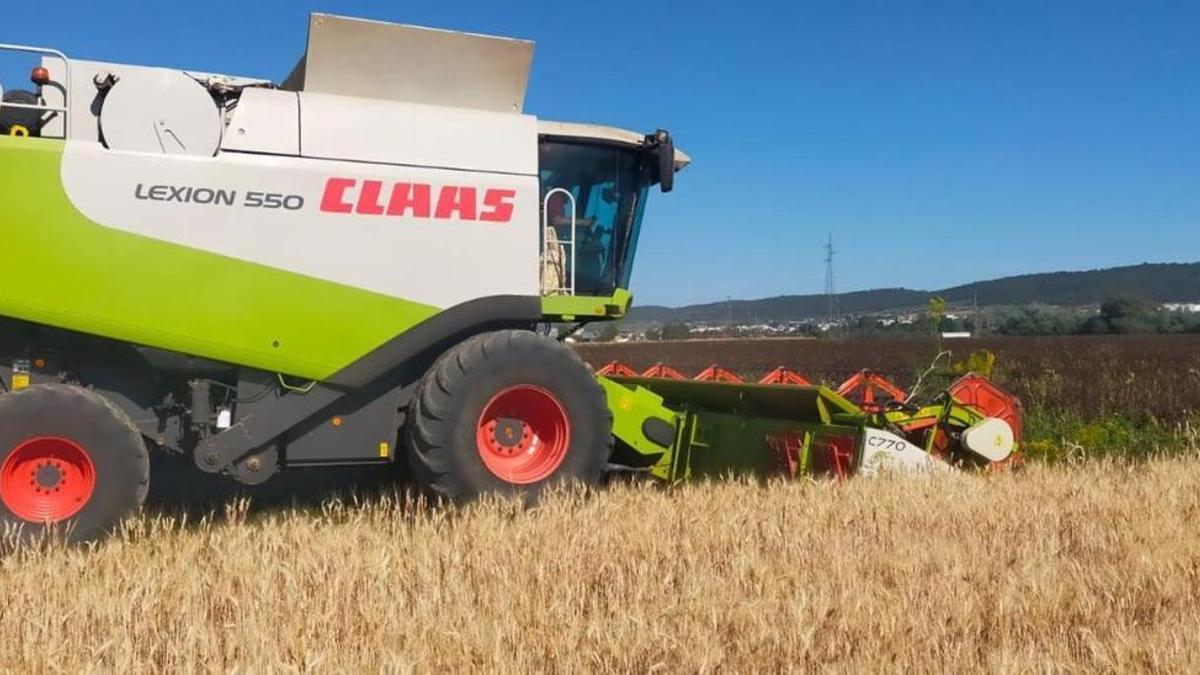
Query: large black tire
[(449, 453), (47, 433)]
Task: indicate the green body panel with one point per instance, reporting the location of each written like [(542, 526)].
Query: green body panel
[(717, 445), (61, 269), (575, 307), (632, 406), (819, 405), (725, 428)]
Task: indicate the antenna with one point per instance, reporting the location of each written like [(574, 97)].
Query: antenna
[(830, 286), (978, 321)]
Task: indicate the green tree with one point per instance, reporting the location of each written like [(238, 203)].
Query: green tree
[(1037, 319), (937, 312), (608, 331), (675, 331), (949, 325), (1127, 315)]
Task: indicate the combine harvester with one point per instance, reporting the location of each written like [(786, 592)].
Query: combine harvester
[(351, 267)]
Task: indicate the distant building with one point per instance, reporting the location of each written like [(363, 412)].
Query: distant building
[(956, 335), (1191, 307)]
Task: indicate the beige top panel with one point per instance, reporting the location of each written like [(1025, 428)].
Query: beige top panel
[(374, 59)]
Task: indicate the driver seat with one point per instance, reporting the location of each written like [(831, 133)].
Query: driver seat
[(554, 270)]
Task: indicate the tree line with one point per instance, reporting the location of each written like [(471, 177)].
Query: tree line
[(1117, 316)]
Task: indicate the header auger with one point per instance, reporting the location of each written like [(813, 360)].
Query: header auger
[(350, 267)]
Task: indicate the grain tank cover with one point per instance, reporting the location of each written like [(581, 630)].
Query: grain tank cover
[(375, 59)]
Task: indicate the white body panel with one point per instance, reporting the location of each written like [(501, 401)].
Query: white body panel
[(84, 118), (437, 261), (886, 453), (304, 182), (327, 126), (161, 111), (991, 439), (265, 120), (368, 130)]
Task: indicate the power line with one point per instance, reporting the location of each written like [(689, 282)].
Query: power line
[(977, 328), (830, 285)]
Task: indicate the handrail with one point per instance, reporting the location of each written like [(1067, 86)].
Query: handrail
[(571, 243), (65, 83)]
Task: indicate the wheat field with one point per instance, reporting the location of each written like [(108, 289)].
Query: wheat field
[(1051, 569)]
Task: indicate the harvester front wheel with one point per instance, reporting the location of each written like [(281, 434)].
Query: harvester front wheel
[(70, 460), (510, 412)]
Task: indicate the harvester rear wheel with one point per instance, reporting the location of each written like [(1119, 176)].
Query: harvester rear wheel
[(509, 412), (68, 459)]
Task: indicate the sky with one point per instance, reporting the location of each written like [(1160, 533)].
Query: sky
[(938, 142)]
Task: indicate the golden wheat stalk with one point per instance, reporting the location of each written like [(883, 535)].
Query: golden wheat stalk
[(1077, 568)]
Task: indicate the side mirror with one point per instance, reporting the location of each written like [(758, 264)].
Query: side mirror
[(664, 149), (666, 165), (666, 161)]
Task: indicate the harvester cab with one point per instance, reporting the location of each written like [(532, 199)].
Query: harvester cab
[(594, 184), (349, 267)]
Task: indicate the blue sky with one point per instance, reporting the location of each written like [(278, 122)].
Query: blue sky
[(939, 143)]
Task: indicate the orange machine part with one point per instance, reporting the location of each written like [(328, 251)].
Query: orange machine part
[(980, 393), (870, 389), (828, 456), (786, 450), (664, 371), (617, 369), (715, 373), (783, 375)]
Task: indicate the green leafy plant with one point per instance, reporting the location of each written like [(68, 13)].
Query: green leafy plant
[(981, 362)]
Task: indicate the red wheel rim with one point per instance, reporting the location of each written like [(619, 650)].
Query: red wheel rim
[(523, 434), (47, 479)]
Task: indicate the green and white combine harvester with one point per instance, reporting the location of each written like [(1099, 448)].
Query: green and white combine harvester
[(355, 266)]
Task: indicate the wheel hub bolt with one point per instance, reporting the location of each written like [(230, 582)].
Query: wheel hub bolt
[(48, 476)]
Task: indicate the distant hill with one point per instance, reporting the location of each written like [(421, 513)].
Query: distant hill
[(1161, 282)]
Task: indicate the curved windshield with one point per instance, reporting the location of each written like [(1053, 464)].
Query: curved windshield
[(605, 188)]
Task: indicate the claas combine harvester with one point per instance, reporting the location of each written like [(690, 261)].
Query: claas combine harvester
[(357, 266)]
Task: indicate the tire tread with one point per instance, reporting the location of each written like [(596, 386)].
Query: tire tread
[(427, 434)]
